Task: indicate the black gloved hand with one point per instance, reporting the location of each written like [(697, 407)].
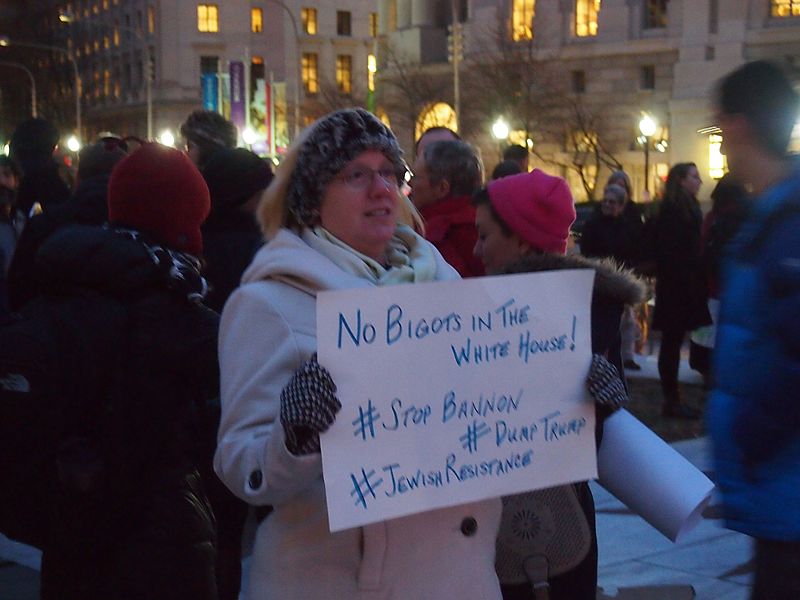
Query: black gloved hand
[(605, 384), (308, 407)]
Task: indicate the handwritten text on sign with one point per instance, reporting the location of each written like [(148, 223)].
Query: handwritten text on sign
[(455, 392)]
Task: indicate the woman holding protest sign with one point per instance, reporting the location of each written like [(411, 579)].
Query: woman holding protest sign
[(334, 217), (523, 225)]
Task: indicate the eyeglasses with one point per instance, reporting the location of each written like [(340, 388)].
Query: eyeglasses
[(360, 178)]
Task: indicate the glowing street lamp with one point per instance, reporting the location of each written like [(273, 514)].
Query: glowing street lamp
[(73, 144), (500, 129), (249, 136), (166, 138), (647, 127)]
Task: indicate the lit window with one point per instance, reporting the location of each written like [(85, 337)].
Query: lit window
[(344, 73), (207, 18), (309, 18), (655, 14), (151, 19), (586, 12), (785, 8), (309, 72), (522, 12), (106, 82), (256, 20), (106, 42), (115, 35), (343, 22), (373, 24), (257, 60), (437, 114), (105, 4), (372, 68), (717, 164)]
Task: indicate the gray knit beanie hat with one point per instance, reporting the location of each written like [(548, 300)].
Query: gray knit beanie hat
[(334, 141)]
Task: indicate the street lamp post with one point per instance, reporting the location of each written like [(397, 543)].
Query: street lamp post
[(5, 41), (647, 127), (457, 49), (22, 67), (67, 17), (298, 73)]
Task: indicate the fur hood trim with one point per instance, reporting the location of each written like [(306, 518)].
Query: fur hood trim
[(611, 281)]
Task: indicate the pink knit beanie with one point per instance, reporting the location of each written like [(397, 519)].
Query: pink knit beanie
[(537, 207)]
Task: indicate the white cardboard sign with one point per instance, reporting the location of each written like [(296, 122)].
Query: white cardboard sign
[(454, 392)]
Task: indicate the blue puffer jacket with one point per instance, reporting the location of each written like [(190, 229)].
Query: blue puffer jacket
[(754, 412)]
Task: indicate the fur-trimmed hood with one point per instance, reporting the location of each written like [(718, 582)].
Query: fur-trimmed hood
[(611, 282)]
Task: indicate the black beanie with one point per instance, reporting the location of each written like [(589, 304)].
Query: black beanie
[(233, 176)]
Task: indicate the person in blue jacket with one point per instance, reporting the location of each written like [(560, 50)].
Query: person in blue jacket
[(754, 412)]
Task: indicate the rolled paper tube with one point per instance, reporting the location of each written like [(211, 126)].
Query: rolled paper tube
[(650, 477)]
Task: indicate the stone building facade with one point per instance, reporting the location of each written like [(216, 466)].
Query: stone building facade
[(573, 78)]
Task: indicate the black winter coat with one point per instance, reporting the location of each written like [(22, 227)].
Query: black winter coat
[(129, 519), (87, 207), (681, 290), (619, 238), (230, 240)]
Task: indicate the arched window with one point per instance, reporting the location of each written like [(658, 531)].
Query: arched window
[(436, 114)]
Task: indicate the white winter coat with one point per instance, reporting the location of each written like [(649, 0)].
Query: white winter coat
[(267, 331)]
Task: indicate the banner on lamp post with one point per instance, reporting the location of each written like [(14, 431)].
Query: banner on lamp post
[(238, 94), (210, 85)]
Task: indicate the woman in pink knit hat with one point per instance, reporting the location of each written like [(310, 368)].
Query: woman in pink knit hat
[(523, 224)]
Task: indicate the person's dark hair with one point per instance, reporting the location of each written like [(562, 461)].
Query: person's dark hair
[(674, 194), (728, 192), (457, 163), (673, 189), (33, 140), (99, 159), (210, 131), (621, 178), (506, 168), (515, 152), (763, 94), (481, 198), (434, 129)]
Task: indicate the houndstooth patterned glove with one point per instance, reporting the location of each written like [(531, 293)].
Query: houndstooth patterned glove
[(605, 384), (308, 407)]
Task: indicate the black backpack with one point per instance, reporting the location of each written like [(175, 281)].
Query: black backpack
[(52, 365)]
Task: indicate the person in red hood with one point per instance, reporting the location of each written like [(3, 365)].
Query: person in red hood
[(446, 175)]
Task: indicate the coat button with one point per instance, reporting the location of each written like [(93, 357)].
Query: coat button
[(469, 526), (255, 480)]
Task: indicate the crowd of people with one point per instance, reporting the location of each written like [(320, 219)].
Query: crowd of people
[(182, 286)]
